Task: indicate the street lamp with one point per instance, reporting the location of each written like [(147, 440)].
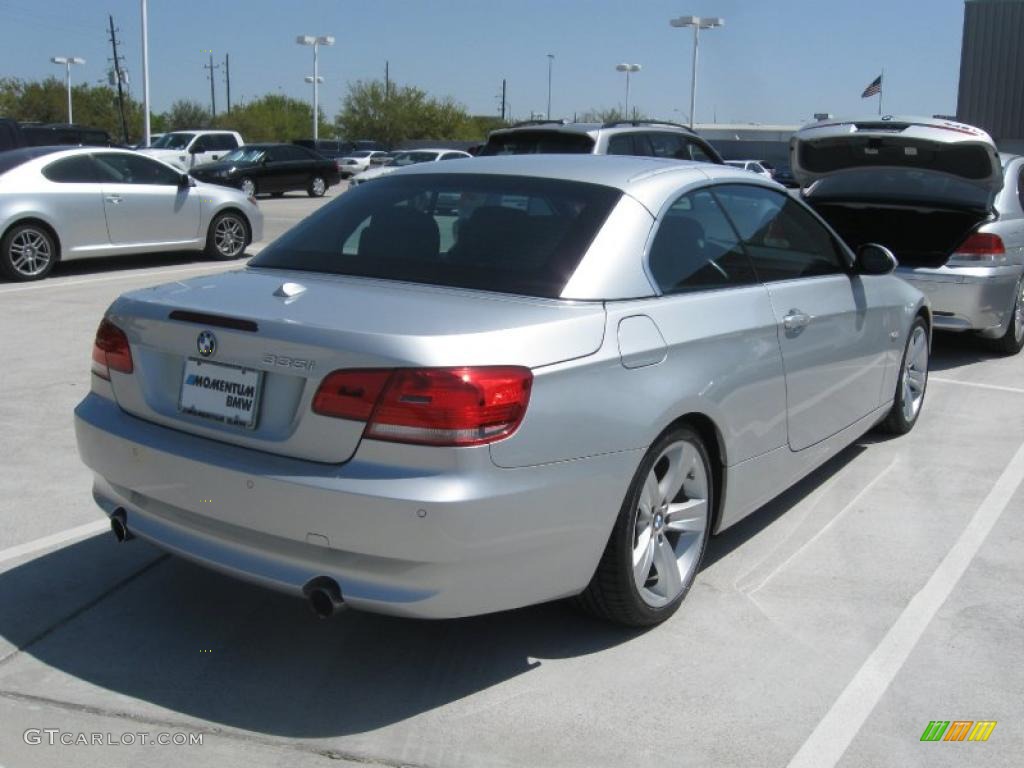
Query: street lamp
[(316, 42), (551, 58), (145, 75), (628, 69), (67, 61), (698, 24)]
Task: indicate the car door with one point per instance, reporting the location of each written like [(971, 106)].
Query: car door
[(833, 328), (145, 203), (76, 197)]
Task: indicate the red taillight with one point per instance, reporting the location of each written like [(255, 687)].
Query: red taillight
[(111, 351), (350, 394), (430, 406), (980, 248)]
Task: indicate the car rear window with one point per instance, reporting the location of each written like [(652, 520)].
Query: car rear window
[(508, 234), (538, 143), (899, 185)]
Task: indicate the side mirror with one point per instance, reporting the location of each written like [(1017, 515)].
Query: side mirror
[(875, 259), (184, 181)]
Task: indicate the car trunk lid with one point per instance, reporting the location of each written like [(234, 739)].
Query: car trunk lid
[(894, 160), (277, 334)]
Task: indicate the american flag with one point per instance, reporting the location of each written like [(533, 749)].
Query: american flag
[(873, 89)]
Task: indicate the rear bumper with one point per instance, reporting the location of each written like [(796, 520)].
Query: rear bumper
[(967, 299), (425, 542)]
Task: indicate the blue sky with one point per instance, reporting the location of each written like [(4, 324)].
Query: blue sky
[(774, 61)]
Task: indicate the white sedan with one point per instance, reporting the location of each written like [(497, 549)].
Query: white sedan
[(61, 204), (358, 161), (411, 157), (754, 166)]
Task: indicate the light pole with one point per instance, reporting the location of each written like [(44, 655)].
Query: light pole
[(628, 69), (698, 24), (316, 42), (551, 59), (67, 61), (145, 75)]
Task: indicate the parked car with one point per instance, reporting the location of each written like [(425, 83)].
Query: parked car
[(564, 395), (187, 149), (754, 166), (62, 204), (646, 138), (153, 138), (14, 135), (407, 158), (937, 193), (384, 159), (359, 161), (273, 169)]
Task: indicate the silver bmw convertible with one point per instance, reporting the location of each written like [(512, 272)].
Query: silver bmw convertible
[(483, 384)]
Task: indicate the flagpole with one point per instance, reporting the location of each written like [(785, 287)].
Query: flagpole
[(881, 85)]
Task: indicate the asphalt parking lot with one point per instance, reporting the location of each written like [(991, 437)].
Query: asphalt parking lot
[(879, 594)]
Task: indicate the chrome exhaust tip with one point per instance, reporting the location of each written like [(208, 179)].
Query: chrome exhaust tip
[(324, 596), (119, 525)]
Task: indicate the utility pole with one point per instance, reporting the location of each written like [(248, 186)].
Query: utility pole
[(227, 78), (118, 76), (503, 99), (387, 79), (213, 96)]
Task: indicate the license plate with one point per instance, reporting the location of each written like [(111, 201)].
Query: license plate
[(225, 393)]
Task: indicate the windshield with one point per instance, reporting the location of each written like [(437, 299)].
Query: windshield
[(509, 234), (538, 143), (244, 155), (173, 141), (411, 158)]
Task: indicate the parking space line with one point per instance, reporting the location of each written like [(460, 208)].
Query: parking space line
[(979, 385), (31, 547), (835, 732), (824, 528)]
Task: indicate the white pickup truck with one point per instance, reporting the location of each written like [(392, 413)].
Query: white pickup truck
[(187, 149)]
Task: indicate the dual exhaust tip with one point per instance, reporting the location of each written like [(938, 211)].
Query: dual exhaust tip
[(322, 593)]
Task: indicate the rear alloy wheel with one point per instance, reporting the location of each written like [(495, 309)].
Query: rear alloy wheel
[(912, 383), (248, 187), (317, 186), (227, 237), (656, 546), (1010, 343), (27, 252)]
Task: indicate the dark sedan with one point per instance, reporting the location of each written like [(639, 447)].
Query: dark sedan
[(271, 168)]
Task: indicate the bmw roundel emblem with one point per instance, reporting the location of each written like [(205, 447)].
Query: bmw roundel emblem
[(206, 343)]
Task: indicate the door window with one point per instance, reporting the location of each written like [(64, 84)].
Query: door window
[(287, 153), (694, 151), (783, 239), (668, 145), (220, 142), (621, 144), (1020, 186), (696, 249), (135, 169)]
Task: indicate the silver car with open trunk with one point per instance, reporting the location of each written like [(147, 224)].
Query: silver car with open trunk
[(477, 385), (941, 197)]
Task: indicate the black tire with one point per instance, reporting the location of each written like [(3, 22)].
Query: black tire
[(227, 236), (317, 186), (612, 593), (900, 419), (1011, 342), (245, 182), (27, 252)]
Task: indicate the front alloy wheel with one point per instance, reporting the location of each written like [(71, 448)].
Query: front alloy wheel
[(28, 253), (227, 237), (658, 540)]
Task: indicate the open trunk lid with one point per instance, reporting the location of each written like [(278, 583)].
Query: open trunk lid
[(277, 334), (923, 161)]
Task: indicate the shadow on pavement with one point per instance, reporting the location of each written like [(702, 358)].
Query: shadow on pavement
[(955, 350), (120, 263), (190, 640)]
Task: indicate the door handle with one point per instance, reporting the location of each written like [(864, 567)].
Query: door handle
[(796, 320), (115, 199)]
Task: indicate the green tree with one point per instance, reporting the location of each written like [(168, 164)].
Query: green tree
[(273, 117), (403, 113), (185, 114)]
